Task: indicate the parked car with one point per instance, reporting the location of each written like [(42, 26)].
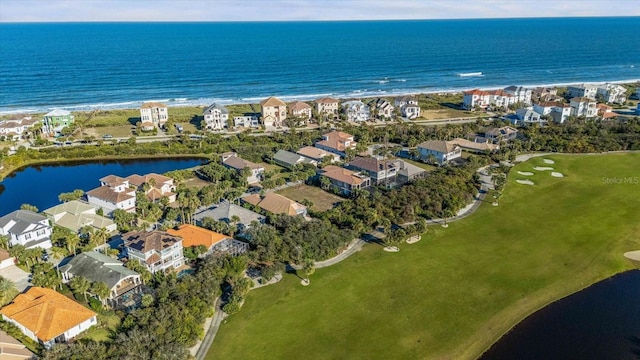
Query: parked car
[(106, 136)]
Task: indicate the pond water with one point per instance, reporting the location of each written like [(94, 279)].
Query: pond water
[(40, 185), (599, 322)]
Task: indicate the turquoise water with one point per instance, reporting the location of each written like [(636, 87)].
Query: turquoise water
[(119, 65)]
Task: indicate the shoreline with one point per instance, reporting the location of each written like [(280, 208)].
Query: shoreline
[(354, 94)]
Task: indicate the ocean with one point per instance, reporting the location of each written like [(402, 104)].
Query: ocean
[(82, 66)]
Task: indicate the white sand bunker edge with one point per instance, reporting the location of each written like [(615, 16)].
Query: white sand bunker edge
[(525, 173), (557, 174), (525, 182), (548, 161), (542, 168)]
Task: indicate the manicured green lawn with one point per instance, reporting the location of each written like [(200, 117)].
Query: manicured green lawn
[(322, 200), (453, 294)]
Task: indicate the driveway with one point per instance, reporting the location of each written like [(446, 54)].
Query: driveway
[(18, 276)]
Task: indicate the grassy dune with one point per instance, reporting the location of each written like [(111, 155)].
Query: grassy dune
[(454, 293)]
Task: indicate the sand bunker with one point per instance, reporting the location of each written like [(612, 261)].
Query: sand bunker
[(542, 168), (525, 182), (557, 174), (391, 249), (548, 161), (525, 173)]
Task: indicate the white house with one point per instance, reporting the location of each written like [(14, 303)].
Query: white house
[(156, 185), (443, 151), (247, 121), (16, 126), (327, 106), (520, 94), (114, 193), (154, 113), (301, 110), (157, 250), (526, 116), (408, 105), (582, 90), (356, 110), (48, 317), (75, 214), (216, 117), (484, 99), (382, 108), (583, 106), (612, 93), (274, 111), (24, 227), (557, 110), (232, 161)]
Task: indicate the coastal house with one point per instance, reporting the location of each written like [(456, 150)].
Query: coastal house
[(97, 267), (155, 186), (301, 110), (75, 214), (501, 134), (26, 228), (216, 117), (559, 111), (408, 105), (317, 154), (475, 147), (582, 90), (520, 94), (48, 317), (12, 349), (114, 193), (327, 106), (526, 116), (356, 111), (583, 106), (54, 121), (246, 121), (382, 108), (612, 93), (605, 111), (274, 111), (214, 242), (343, 180), (232, 161), (442, 151), (154, 113), (276, 204), (16, 126), (336, 142), (476, 98), (231, 214), (380, 171), (408, 172), (541, 94), (289, 160), (157, 250)]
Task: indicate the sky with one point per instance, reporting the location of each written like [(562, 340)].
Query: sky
[(286, 10)]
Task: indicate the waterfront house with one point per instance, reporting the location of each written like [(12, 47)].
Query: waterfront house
[(48, 317), (154, 112), (382, 108), (526, 116), (501, 134), (356, 111), (559, 111), (612, 93), (541, 94), (442, 151), (232, 161), (289, 160), (246, 121), (582, 90), (380, 171), (317, 154), (274, 111), (520, 94), (157, 250), (216, 117), (408, 105), (16, 126), (231, 214), (583, 106), (343, 180), (75, 214), (301, 110), (493, 99), (12, 349), (26, 228), (97, 267), (276, 204), (193, 236), (155, 186), (336, 142), (327, 106), (114, 193), (54, 121)]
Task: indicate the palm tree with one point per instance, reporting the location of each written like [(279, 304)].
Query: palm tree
[(4, 242), (80, 285), (101, 290), (71, 242), (7, 291), (308, 268)]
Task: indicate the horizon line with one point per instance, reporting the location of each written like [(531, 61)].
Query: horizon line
[(309, 20)]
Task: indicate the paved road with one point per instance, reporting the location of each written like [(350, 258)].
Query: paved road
[(218, 317)]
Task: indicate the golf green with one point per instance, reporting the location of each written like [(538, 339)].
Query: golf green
[(453, 294)]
